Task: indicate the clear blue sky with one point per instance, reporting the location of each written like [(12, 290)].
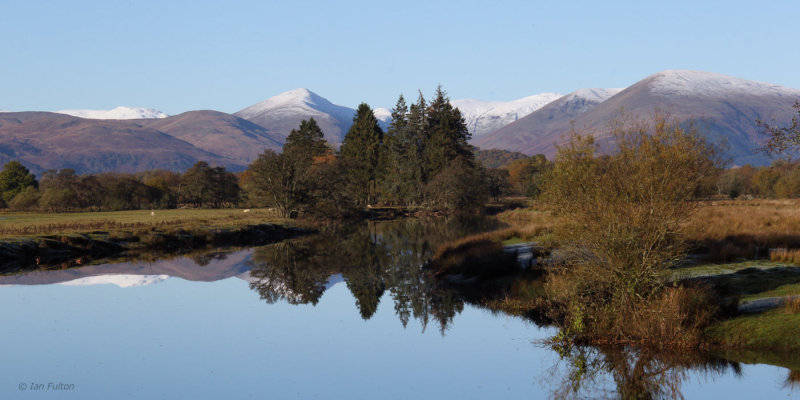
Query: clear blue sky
[(225, 55)]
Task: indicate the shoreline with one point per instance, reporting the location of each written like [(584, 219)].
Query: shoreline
[(74, 249)]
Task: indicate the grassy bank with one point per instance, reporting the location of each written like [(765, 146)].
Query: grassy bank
[(35, 240), (24, 224)]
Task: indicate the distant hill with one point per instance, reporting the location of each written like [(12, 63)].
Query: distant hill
[(42, 141), (216, 132), (725, 108)]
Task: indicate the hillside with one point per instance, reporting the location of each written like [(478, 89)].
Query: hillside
[(43, 141), (724, 107)]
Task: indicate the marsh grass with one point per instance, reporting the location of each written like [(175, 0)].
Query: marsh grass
[(792, 304), (744, 229), (785, 255)]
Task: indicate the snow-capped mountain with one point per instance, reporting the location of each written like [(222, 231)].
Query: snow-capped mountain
[(711, 85), (724, 108), (484, 117), (384, 116), (283, 112), (117, 113), (517, 135)]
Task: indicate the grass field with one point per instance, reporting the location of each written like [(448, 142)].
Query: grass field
[(23, 224)]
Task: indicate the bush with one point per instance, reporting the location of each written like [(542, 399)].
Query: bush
[(625, 217)]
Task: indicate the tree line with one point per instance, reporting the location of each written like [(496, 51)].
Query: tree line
[(422, 161), (64, 190)]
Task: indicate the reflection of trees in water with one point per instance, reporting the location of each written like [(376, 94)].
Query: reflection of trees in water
[(636, 373), (372, 258), (378, 257), (289, 270)]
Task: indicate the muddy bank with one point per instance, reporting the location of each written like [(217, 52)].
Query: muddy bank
[(38, 252)]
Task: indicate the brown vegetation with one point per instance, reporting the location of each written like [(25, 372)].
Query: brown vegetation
[(745, 229), (624, 224)]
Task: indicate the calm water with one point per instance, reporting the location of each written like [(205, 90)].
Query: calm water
[(344, 314)]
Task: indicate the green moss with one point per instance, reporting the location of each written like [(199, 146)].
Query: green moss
[(773, 330)]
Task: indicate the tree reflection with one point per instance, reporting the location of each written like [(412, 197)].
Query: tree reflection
[(373, 258), (635, 373), (389, 258)]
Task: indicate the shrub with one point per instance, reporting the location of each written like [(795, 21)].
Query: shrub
[(624, 219)]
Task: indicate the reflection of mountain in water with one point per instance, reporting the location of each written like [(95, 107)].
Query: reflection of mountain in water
[(203, 267), (122, 280), (377, 259)]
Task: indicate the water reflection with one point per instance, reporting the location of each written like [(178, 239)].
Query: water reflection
[(634, 373), (371, 258), (385, 262)]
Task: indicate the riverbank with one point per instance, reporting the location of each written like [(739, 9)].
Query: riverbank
[(740, 232), (36, 240)]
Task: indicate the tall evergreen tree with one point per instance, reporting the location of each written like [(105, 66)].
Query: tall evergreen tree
[(306, 141), (447, 135), (361, 154), (397, 144), (418, 138)]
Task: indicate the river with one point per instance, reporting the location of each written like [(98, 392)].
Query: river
[(348, 314)]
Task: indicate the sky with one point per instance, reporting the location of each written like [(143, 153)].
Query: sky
[(177, 56)]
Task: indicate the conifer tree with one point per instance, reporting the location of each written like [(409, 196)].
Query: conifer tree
[(447, 135), (361, 153), (402, 147), (418, 139), (307, 141)]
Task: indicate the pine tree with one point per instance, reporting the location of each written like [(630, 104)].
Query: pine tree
[(361, 154), (418, 137), (306, 141), (400, 149), (447, 135)]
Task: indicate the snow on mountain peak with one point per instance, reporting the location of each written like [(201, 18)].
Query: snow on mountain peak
[(709, 84), (117, 113), (383, 115), (484, 117), (597, 95), (297, 101)]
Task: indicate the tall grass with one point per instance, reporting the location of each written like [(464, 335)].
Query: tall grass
[(745, 229), (785, 255), (792, 304)]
